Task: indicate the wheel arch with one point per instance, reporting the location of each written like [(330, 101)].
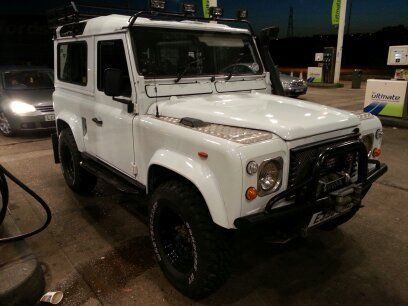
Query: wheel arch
[(166, 165), (75, 125)]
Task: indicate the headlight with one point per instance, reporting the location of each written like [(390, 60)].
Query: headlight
[(19, 107), (270, 176), (368, 141), (285, 84)]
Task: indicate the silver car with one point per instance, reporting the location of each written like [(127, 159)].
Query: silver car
[(293, 87), (26, 99)]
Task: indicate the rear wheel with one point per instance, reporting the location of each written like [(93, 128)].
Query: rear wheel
[(191, 250), (5, 127), (77, 178)]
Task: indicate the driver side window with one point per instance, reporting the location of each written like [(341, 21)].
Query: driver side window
[(111, 54)]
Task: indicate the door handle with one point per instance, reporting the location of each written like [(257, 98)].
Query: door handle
[(97, 121)]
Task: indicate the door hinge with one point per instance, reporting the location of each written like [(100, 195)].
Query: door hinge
[(134, 168)]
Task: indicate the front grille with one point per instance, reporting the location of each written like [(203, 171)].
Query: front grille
[(302, 161), (45, 108)]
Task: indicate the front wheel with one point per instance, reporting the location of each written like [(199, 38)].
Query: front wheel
[(191, 250)]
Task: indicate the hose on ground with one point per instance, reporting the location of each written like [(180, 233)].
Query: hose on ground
[(4, 199)]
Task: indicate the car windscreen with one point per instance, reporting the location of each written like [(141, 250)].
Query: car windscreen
[(164, 52), (27, 79)]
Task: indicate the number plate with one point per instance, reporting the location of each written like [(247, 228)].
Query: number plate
[(323, 216), (50, 117)]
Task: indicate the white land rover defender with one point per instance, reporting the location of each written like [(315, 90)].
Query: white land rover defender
[(144, 102)]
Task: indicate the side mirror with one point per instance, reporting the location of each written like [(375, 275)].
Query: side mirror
[(113, 82), (269, 34)]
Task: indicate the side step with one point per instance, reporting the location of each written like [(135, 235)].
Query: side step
[(112, 176)]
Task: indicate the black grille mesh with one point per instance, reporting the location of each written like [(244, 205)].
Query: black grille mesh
[(302, 161)]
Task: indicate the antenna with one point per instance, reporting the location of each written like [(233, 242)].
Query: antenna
[(290, 23), (155, 90)]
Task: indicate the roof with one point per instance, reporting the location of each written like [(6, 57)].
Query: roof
[(115, 23)]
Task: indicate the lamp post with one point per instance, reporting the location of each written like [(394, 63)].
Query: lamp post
[(340, 36)]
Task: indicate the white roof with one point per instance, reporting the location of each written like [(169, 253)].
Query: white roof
[(115, 23)]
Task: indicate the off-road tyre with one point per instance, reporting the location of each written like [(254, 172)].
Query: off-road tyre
[(206, 246), (333, 224), (76, 177)]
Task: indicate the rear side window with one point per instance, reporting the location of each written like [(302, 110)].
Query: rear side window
[(72, 62), (111, 54)]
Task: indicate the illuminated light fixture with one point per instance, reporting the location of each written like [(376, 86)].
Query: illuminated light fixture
[(216, 12), (20, 108), (242, 15), (157, 5), (189, 9)]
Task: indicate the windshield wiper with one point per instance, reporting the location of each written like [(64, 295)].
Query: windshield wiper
[(237, 61), (184, 71)]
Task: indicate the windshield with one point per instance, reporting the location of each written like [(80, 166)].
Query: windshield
[(29, 79), (168, 52)]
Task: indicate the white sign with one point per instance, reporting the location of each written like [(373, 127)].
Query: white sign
[(386, 98), (319, 57), (398, 56), (314, 74)]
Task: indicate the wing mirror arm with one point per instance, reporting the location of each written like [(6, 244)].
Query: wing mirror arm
[(129, 103)]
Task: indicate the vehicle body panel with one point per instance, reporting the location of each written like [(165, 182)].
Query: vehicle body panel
[(288, 118)]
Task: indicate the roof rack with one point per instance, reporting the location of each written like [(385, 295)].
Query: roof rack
[(181, 16), (73, 13), (70, 16)]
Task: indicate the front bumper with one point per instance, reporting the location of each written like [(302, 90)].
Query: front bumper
[(295, 91), (299, 214), (30, 123)]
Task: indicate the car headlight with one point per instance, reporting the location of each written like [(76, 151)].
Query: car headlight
[(270, 176), (368, 141), (285, 84), (19, 107)]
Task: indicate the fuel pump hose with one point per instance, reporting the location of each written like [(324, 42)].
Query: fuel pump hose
[(4, 198)]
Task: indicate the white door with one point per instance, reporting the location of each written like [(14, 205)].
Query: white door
[(112, 121)]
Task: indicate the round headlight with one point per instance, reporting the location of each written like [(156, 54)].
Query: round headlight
[(368, 143), (252, 167), (270, 176)]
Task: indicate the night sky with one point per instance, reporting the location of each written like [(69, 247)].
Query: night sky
[(310, 16)]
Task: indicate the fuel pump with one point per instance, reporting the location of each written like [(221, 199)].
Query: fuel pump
[(389, 98), (329, 56), (4, 199)]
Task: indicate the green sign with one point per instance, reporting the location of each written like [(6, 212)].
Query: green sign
[(206, 8), (335, 15)]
